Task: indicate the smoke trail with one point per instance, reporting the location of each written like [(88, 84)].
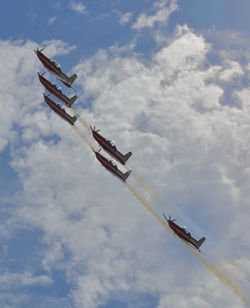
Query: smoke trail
[(84, 123), (146, 186), (212, 268), (145, 204), (224, 279), (89, 144), (239, 267)]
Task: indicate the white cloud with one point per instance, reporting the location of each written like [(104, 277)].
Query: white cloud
[(125, 18), (228, 39), (162, 10), (19, 280), (57, 4), (77, 7), (234, 71), (52, 20), (191, 148)]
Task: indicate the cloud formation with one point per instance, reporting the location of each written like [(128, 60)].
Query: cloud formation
[(162, 11), (52, 20), (192, 148), (78, 7), (125, 18)]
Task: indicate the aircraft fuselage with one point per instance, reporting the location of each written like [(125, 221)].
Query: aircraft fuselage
[(53, 68), (184, 235), (60, 111), (111, 168), (110, 148), (56, 92)]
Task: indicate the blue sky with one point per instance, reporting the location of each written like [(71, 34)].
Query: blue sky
[(167, 80)]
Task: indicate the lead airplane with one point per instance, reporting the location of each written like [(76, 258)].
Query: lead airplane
[(109, 147), (111, 167), (53, 89), (184, 234), (59, 110), (55, 69)]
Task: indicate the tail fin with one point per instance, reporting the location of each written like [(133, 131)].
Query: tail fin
[(126, 156), (127, 174), (72, 78), (72, 100), (201, 241)]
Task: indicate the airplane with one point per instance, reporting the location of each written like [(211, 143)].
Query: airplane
[(53, 89), (59, 110), (111, 167), (109, 147), (55, 69), (184, 234)]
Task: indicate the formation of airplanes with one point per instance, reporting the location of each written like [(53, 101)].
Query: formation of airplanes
[(107, 145), (53, 89)]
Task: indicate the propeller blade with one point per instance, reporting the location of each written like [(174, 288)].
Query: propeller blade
[(164, 216), (40, 49), (96, 130)]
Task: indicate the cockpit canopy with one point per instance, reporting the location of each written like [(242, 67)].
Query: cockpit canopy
[(56, 64)]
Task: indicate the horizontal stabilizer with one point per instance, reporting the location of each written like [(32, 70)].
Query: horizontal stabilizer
[(72, 100), (72, 78), (127, 174)]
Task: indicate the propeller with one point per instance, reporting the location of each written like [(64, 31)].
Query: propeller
[(169, 217), (95, 130), (40, 74), (37, 49)]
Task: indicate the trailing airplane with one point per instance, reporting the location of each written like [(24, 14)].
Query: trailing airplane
[(59, 110), (56, 91), (184, 234), (55, 69), (111, 167), (109, 147)]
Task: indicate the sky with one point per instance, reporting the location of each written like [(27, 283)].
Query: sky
[(167, 80)]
